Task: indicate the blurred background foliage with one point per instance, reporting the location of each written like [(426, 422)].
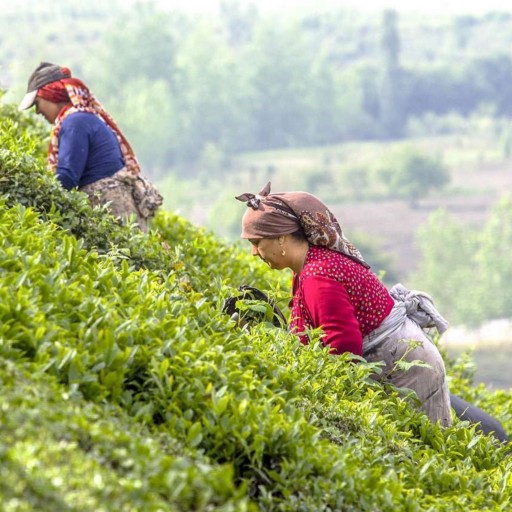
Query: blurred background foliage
[(181, 83), (400, 122)]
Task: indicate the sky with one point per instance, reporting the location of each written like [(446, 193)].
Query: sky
[(427, 6), (436, 7)]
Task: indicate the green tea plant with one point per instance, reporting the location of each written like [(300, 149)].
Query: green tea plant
[(300, 429), (125, 386), (59, 452)]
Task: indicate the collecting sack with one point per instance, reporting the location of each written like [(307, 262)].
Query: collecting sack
[(147, 198), (256, 307)]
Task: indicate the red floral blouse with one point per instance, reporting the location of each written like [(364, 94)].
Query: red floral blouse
[(339, 295)]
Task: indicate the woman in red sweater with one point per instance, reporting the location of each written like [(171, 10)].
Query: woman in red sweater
[(334, 289)]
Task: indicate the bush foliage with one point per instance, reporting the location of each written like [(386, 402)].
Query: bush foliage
[(125, 387), (479, 256)]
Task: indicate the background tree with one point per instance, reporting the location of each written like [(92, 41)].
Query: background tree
[(447, 268), (391, 95), (492, 256), (282, 85), (410, 174), (239, 20), (137, 79), (213, 95), (468, 271), (493, 76)]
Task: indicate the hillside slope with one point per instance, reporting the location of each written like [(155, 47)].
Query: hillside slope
[(125, 387)]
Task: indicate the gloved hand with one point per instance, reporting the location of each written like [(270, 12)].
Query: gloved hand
[(252, 306)]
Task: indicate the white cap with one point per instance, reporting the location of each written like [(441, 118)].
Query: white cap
[(28, 100)]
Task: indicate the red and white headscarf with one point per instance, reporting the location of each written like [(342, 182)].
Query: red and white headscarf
[(80, 99)]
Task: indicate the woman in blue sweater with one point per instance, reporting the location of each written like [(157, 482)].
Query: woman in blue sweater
[(87, 149)]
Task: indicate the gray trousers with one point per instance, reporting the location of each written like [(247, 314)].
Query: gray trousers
[(484, 421)]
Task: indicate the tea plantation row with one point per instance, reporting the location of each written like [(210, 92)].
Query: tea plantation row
[(125, 387)]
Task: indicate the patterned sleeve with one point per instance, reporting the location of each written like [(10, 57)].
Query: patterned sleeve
[(329, 307)]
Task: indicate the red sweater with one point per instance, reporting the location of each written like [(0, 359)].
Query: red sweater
[(339, 295)]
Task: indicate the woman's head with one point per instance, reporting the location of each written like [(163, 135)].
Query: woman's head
[(275, 215), (51, 87), (46, 73), (284, 251), (48, 109)]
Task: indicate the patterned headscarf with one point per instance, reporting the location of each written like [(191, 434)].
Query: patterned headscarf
[(273, 215), (81, 99)]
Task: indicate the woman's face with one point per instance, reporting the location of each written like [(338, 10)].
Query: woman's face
[(270, 251), (47, 109)]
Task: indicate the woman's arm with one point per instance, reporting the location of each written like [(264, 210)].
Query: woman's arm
[(329, 306)]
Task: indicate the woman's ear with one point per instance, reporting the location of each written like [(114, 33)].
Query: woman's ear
[(280, 239)]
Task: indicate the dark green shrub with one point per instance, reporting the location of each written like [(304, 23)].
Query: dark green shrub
[(58, 452)]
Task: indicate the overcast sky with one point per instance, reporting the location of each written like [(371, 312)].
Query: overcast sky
[(426, 6), (437, 7)]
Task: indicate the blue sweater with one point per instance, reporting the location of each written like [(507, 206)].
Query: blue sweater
[(88, 150)]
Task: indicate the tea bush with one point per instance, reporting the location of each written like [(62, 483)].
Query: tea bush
[(125, 387), (59, 452), (25, 180)]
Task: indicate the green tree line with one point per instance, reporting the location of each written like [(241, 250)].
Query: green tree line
[(182, 85), (467, 269), (242, 82)]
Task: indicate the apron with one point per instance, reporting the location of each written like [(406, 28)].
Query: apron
[(128, 196), (412, 315)]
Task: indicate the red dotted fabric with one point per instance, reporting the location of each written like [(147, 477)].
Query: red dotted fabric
[(339, 295)]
